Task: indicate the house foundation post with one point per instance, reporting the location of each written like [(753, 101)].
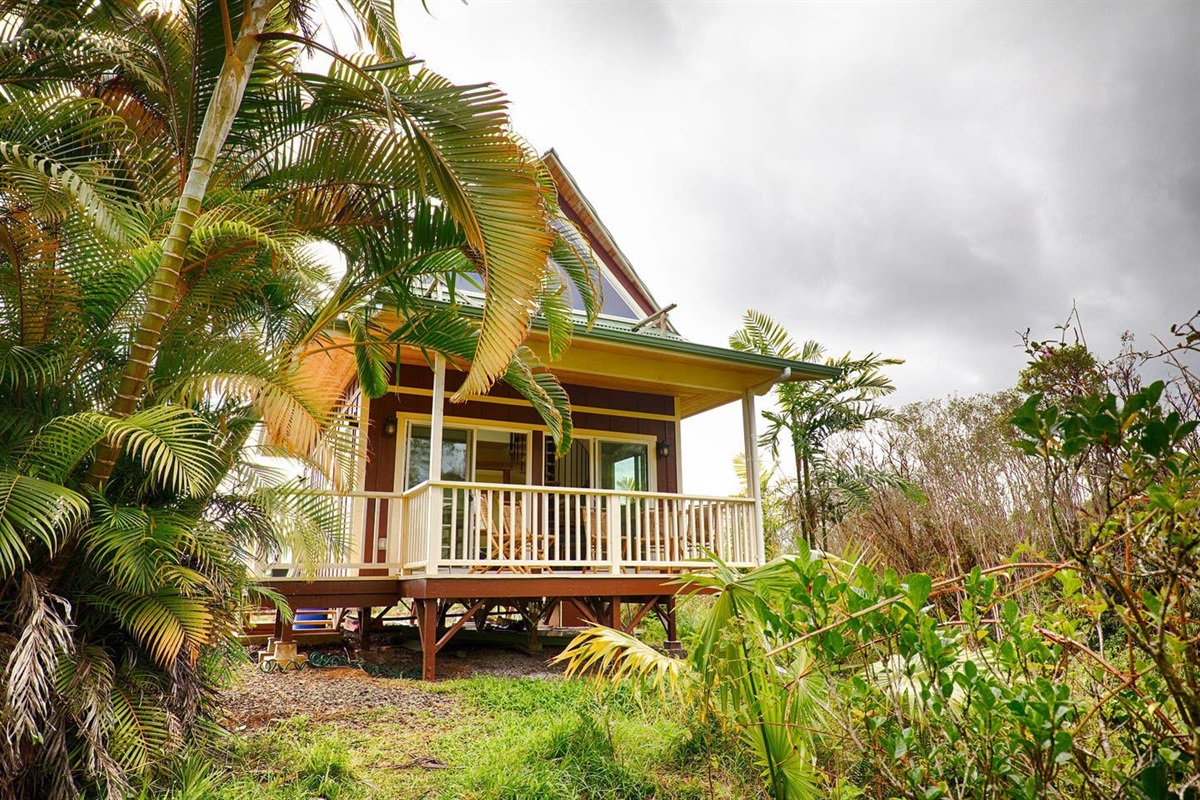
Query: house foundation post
[(364, 629), (283, 628), (672, 644), (427, 625), (614, 614)]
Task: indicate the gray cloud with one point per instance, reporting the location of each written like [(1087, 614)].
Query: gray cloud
[(919, 178)]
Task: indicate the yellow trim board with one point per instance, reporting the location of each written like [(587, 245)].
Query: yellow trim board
[(516, 401)]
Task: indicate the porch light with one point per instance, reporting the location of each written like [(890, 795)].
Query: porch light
[(389, 428), (663, 450)]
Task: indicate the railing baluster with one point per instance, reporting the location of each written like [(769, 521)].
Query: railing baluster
[(587, 525), (678, 528), (454, 523)]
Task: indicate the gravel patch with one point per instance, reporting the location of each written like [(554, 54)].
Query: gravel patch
[(323, 694)]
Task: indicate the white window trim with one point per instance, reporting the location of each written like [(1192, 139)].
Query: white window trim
[(404, 422)]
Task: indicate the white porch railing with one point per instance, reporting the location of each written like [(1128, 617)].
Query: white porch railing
[(454, 527)]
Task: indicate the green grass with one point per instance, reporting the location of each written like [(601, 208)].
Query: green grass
[(504, 739)]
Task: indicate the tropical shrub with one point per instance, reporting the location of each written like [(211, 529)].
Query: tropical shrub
[(168, 175), (982, 498), (1039, 677)]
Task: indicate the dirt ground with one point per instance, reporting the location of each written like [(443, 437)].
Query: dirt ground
[(338, 693)]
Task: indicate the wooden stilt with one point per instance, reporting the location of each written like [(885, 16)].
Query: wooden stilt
[(672, 644), (427, 613), (364, 628), (283, 628), (614, 614), (531, 613)]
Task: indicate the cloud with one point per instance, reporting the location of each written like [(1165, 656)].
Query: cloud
[(924, 179)]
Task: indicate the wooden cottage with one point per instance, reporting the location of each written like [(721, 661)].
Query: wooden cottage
[(465, 506)]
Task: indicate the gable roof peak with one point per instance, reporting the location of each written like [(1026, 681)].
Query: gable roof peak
[(580, 211)]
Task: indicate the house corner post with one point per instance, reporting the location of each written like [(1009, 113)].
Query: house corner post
[(753, 490), (433, 550), (672, 644)]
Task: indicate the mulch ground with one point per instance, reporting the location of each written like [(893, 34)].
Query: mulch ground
[(339, 693)]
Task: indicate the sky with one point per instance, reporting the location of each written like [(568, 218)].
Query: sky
[(924, 180)]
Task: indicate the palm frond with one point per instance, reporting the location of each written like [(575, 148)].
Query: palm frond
[(170, 443), (34, 509), (28, 671), (166, 622), (763, 335), (619, 657)]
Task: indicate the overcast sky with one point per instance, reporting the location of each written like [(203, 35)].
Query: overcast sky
[(921, 179)]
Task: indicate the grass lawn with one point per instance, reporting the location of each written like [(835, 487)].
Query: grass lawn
[(481, 737)]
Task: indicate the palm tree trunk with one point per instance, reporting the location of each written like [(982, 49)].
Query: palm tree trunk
[(807, 517), (218, 119)]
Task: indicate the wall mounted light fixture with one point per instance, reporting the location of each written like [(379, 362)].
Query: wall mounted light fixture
[(663, 449), (389, 428)]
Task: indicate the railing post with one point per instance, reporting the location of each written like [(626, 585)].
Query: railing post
[(433, 541), (395, 505), (614, 535)]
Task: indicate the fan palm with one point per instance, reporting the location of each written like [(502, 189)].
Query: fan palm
[(167, 181), (730, 671)]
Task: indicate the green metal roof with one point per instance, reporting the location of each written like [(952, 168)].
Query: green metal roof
[(610, 330), (619, 331)]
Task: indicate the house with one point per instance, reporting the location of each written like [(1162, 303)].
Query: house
[(465, 506)]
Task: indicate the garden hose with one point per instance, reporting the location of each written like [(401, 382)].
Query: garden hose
[(318, 660)]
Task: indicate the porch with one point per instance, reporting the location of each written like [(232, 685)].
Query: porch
[(471, 528), (469, 515)]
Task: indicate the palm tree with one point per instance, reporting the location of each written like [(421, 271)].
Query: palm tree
[(809, 413), (166, 178)]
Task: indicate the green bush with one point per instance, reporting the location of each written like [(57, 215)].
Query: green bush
[(1075, 676)]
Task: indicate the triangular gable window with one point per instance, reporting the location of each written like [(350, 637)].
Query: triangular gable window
[(615, 304)]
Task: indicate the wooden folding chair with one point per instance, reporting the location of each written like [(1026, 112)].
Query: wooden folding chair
[(505, 533)]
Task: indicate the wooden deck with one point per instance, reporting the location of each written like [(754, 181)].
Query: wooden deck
[(449, 527), (455, 550)]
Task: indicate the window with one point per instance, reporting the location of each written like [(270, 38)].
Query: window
[(625, 465), (469, 454), (456, 445), (501, 456), (622, 465)]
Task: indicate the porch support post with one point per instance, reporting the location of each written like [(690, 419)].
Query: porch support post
[(435, 418), (672, 644), (434, 533), (750, 431), (364, 629), (427, 626)]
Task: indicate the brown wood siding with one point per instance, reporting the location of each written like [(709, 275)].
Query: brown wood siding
[(381, 452)]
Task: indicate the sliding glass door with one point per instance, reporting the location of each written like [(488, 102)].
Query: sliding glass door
[(456, 455)]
